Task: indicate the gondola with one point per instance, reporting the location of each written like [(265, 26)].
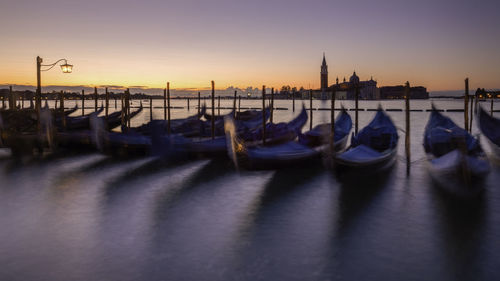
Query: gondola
[(75, 123), (490, 127), (276, 133), (372, 150), (456, 160), (160, 144), (307, 148)]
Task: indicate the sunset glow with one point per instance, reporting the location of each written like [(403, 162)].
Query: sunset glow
[(241, 43)]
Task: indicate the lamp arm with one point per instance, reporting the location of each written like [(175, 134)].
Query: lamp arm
[(52, 65)]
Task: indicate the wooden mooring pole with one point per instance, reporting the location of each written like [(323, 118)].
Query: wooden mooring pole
[(107, 103), (165, 104), (188, 103), (263, 114), (168, 108), (213, 110), (310, 109), (466, 105), (218, 105), (356, 106), (234, 105), (407, 129), (239, 104), (272, 105), (95, 98), (199, 102), (293, 101), (83, 102), (150, 108), (128, 108), (491, 107), (471, 112), (12, 103), (332, 119)]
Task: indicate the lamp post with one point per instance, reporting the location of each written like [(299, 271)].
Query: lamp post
[(66, 68)]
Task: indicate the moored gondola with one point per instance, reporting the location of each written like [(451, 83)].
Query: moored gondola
[(372, 150), (490, 127), (456, 160), (307, 148)]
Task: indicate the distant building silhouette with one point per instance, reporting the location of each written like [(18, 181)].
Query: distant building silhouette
[(324, 78)]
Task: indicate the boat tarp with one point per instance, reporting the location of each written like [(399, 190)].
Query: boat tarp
[(380, 134), (442, 135)]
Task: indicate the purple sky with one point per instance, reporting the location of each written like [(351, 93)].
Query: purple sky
[(250, 43)]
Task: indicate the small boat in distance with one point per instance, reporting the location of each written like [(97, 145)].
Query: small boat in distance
[(456, 160), (373, 149), (490, 127)]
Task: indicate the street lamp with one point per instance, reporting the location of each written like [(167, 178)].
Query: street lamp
[(66, 68)]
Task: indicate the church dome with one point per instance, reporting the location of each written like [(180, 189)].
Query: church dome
[(354, 78)]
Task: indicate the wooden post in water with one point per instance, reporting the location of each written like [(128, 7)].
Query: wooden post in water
[(310, 109), (491, 107), (22, 101), (165, 104), (466, 105), (96, 97), (293, 101), (128, 108), (122, 96), (234, 105), (263, 115), (272, 105), (332, 120), (239, 104), (107, 103), (356, 105), (168, 108), (407, 129), (150, 108), (471, 112), (12, 103), (83, 102), (199, 103), (218, 105), (213, 110), (188, 102), (63, 116)]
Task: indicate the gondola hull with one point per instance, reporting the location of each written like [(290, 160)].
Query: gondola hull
[(458, 174)]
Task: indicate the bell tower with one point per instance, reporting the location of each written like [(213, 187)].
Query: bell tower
[(324, 75)]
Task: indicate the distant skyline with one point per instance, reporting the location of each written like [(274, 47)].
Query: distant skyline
[(144, 44)]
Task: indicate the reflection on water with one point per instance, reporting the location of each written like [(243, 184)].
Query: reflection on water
[(91, 217)]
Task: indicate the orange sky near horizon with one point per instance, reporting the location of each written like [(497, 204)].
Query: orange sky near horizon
[(272, 43)]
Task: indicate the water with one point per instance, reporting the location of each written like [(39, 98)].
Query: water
[(89, 217)]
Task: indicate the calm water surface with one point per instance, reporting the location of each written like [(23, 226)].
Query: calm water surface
[(90, 217)]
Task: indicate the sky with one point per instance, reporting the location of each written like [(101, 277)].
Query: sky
[(436, 44)]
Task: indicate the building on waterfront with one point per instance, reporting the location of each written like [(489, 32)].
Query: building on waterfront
[(324, 78), (368, 89), (398, 92)]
